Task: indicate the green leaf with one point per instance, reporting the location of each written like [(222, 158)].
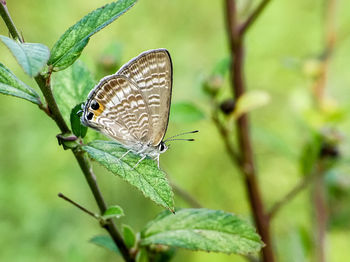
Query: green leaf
[(202, 229), (106, 242), (310, 154), (113, 212), (129, 236), (70, 45), (71, 87), (142, 256), (146, 177), (11, 85), (185, 112), (77, 127), (222, 67), (32, 57), (250, 101)]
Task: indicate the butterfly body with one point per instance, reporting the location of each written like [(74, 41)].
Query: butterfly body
[(132, 106)]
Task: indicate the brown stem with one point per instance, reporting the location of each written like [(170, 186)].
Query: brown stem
[(8, 21), (85, 166), (77, 205), (303, 183), (225, 136), (320, 208), (54, 112), (247, 165), (319, 192), (253, 16)]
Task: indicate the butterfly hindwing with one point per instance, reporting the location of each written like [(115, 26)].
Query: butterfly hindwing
[(121, 113), (152, 73)]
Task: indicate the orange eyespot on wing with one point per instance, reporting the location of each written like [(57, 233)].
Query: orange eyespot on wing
[(98, 111)]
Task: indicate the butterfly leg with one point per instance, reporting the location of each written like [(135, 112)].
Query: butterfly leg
[(127, 152), (138, 162), (157, 159)]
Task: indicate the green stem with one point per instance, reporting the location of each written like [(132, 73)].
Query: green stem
[(8, 21)]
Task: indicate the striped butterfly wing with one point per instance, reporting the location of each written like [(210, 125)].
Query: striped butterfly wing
[(119, 111), (152, 72)]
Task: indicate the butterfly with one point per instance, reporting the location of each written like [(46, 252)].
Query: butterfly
[(132, 106)]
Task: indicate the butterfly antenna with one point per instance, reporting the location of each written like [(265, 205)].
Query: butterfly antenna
[(181, 134), (183, 139)]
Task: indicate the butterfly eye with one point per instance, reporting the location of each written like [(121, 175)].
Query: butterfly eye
[(89, 115), (94, 105), (162, 147)]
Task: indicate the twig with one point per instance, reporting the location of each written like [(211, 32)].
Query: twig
[(84, 163), (319, 192), (253, 16), (54, 111), (321, 214), (247, 165), (8, 21), (77, 205), (225, 136), (185, 196), (303, 183)]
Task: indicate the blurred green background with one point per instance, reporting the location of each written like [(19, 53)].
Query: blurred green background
[(35, 225)]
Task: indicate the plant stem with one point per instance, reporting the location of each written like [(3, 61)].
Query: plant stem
[(55, 113), (303, 183), (225, 136), (90, 177), (44, 84), (319, 192), (253, 16), (185, 195), (77, 205), (246, 164), (8, 21), (320, 209)]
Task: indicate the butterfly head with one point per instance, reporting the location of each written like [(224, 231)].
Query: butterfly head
[(162, 147)]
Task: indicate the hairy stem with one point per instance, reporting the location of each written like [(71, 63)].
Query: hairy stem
[(44, 84), (8, 21), (246, 163)]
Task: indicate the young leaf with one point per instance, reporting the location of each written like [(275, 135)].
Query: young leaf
[(113, 212), (142, 256), (222, 66), (129, 236), (185, 112), (202, 229), (70, 45), (71, 87), (250, 101), (11, 85), (106, 242), (32, 57), (147, 177), (78, 128)]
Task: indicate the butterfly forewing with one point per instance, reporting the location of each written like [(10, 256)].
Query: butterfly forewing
[(152, 73), (121, 112)]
